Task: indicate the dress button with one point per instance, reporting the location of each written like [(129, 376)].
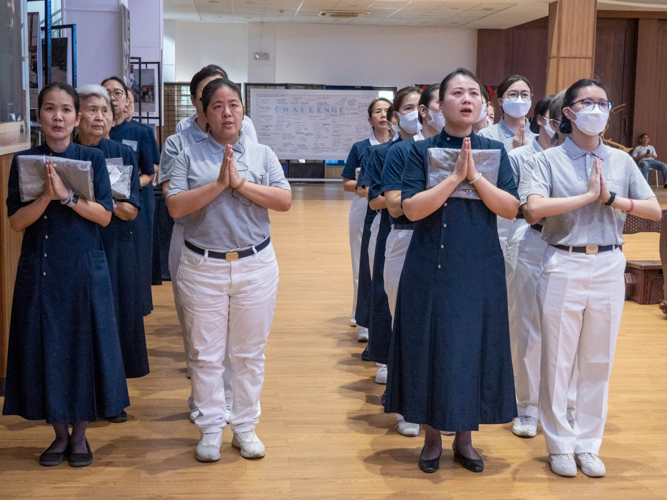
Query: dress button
[(444, 225), (438, 267), (441, 246), (45, 217), (44, 274), (46, 237), (44, 255), (445, 204)]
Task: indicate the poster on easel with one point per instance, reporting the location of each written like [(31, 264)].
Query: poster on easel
[(35, 57), (144, 89)]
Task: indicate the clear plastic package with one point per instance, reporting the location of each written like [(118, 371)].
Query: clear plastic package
[(441, 163)]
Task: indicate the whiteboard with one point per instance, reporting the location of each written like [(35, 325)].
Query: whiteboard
[(311, 124)]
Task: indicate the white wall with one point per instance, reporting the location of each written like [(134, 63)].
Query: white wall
[(370, 55), (198, 44), (322, 53)]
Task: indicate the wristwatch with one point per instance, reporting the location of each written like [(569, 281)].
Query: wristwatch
[(611, 198), (71, 200)]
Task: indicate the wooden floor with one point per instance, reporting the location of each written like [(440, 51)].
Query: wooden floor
[(325, 432)]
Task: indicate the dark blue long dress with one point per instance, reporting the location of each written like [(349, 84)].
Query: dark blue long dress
[(119, 248), (139, 138), (64, 362), (362, 314), (450, 364), (379, 329)]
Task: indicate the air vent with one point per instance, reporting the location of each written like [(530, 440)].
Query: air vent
[(343, 14)]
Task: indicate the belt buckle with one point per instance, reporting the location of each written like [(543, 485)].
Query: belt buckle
[(591, 249), (231, 256)]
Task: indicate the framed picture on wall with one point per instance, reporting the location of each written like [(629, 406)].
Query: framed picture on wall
[(143, 83)]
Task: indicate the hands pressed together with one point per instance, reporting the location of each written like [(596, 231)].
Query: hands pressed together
[(465, 165), (520, 138), (54, 188), (597, 184), (229, 175)]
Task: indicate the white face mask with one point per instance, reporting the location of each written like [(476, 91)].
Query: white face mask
[(550, 132), (518, 108), (591, 122), (482, 114), (437, 121), (409, 122), (395, 128)]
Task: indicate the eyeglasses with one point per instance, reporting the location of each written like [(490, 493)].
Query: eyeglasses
[(513, 95), (116, 93), (589, 105)]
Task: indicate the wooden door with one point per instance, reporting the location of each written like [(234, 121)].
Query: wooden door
[(615, 64)]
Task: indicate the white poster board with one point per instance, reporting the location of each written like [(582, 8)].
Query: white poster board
[(311, 124)]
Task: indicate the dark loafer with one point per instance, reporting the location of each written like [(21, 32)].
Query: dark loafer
[(429, 466), (81, 459), (117, 419), (51, 458), (472, 464), (365, 356)]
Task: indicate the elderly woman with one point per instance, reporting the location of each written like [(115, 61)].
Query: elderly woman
[(228, 276), (117, 239), (65, 363)]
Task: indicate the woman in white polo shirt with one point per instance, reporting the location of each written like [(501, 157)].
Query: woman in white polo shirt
[(228, 276), (584, 189)]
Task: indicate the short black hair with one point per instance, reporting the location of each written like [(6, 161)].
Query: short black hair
[(570, 98), (202, 74), (68, 89), (511, 80), (429, 94), (371, 106), (541, 108), (643, 135), (116, 79), (213, 86), (390, 112), (449, 77)]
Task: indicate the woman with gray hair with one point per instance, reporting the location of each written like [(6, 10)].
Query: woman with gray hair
[(96, 109)]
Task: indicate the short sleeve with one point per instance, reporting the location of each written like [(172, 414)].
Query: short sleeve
[(506, 180), (129, 158), (635, 152), (366, 168), (515, 162), (14, 202), (276, 172), (145, 154), (414, 175), (179, 175), (154, 150), (248, 128), (638, 187), (172, 147), (101, 182), (541, 182), (351, 164), (376, 177), (393, 169), (526, 178)]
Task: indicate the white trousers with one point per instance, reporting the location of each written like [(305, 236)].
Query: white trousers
[(175, 251), (356, 229), (504, 226), (398, 242), (581, 299), (375, 227), (228, 307)]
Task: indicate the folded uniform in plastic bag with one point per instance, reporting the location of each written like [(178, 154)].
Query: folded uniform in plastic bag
[(121, 178), (77, 175), (441, 163)]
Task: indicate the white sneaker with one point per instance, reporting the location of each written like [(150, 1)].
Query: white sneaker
[(249, 444), (408, 429), (563, 464), (381, 375), (525, 426), (353, 322), (193, 415), (362, 333), (590, 464), (208, 449), (228, 413)]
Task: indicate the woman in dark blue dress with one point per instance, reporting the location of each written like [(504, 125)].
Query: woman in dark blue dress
[(140, 139), (450, 365), (96, 111), (64, 364)]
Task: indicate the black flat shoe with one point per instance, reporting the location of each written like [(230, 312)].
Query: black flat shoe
[(81, 459), (52, 458), (472, 464), (429, 466), (117, 419), (365, 356)]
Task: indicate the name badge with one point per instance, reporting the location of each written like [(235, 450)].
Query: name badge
[(132, 144)]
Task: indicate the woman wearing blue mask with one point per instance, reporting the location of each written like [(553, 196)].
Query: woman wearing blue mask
[(584, 189), (450, 365)]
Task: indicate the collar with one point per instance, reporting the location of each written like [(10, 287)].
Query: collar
[(575, 152), (456, 142), (505, 129), (536, 145), (47, 151), (419, 136), (197, 134), (372, 139), (217, 148)]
